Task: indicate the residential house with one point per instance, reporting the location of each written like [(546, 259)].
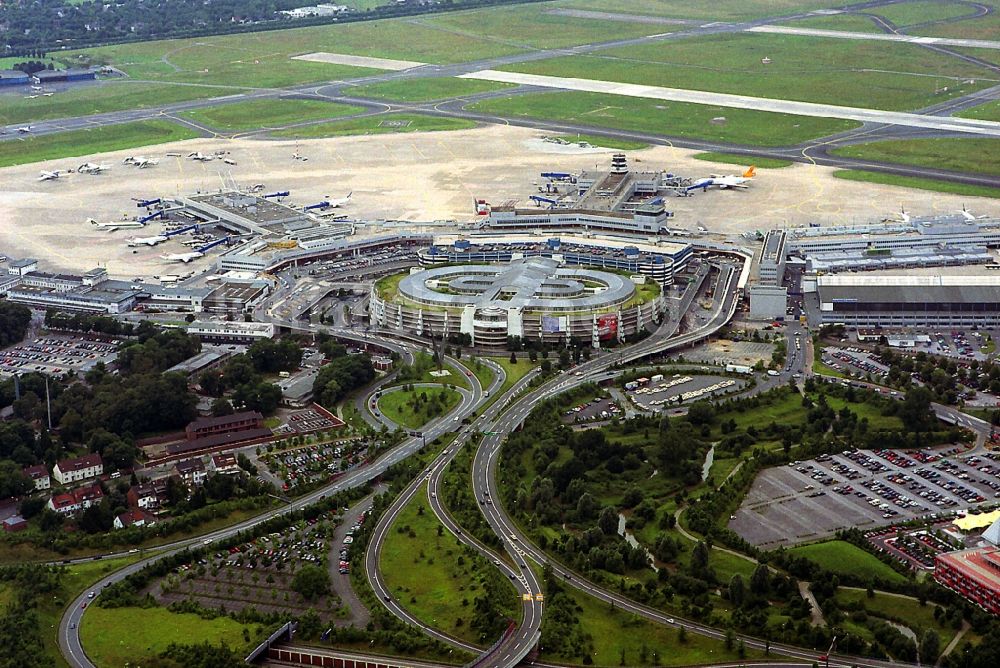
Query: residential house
[(134, 518), (226, 464), (191, 471), (82, 468), (39, 475), (143, 496)]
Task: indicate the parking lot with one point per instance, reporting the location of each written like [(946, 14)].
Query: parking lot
[(865, 489), (594, 410), (662, 393), (854, 360), (57, 355), (916, 547), (257, 573), (315, 463)]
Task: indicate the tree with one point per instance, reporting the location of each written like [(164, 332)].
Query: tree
[(513, 358), (14, 321), (311, 582), (13, 482), (221, 406), (701, 412), (930, 646), (737, 590), (608, 521), (760, 580)]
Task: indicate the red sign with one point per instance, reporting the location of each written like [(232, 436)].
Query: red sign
[(607, 326)]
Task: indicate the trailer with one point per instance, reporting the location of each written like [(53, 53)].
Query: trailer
[(738, 368)]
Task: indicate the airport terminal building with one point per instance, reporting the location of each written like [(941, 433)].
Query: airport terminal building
[(909, 301), (534, 299)]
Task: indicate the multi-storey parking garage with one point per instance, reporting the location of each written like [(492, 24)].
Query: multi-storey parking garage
[(533, 299)]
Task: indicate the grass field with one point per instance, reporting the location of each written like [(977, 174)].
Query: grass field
[(839, 556), (124, 636), (917, 182), (532, 26), (720, 10), (876, 75), (255, 114), (430, 574), (614, 631), (88, 142), (376, 125), (605, 142), (911, 13), (395, 406), (425, 90), (744, 160), (989, 111), (680, 119), (917, 617), (101, 98), (986, 27), (981, 155), (844, 22)]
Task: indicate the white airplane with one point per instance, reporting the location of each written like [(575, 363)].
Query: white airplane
[(299, 156), (91, 168), (201, 157), (25, 129), (30, 97), (140, 161), (114, 226), (146, 241), (182, 257), (724, 182), (229, 161), (334, 203), (49, 176)]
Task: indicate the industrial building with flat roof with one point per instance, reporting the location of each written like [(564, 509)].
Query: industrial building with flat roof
[(909, 301)]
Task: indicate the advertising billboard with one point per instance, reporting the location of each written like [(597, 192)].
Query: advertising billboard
[(552, 324), (607, 326)]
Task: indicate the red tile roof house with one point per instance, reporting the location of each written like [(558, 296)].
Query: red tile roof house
[(134, 517), (39, 475)]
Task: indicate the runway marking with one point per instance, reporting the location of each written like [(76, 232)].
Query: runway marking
[(880, 37), (358, 61), (812, 109)]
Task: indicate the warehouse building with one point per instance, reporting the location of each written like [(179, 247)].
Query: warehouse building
[(909, 301)]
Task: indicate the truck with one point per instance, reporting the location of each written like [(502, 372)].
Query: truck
[(657, 378), (738, 368), (631, 385)]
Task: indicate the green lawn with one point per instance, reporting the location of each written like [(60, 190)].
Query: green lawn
[(989, 111), (431, 574), (839, 556), (985, 27), (905, 14), (397, 407), (981, 154), (917, 617), (845, 22), (88, 142), (256, 114), (100, 98), (531, 26), (718, 10), (679, 119), (744, 160), (376, 125), (482, 372), (117, 637), (606, 142), (425, 90), (917, 182), (514, 371), (614, 631), (878, 75), (874, 416)]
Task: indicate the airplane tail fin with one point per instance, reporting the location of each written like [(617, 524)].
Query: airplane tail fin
[(750, 173)]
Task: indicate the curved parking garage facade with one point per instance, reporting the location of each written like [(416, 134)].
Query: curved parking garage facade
[(534, 299)]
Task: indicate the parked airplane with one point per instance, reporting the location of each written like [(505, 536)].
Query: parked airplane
[(140, 161), (49, 176), (229, 161), (730, 181), (182, 257), (201, 157), (146, 241), (334, 203), (25, 129), (91, 168), (114, 226)]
